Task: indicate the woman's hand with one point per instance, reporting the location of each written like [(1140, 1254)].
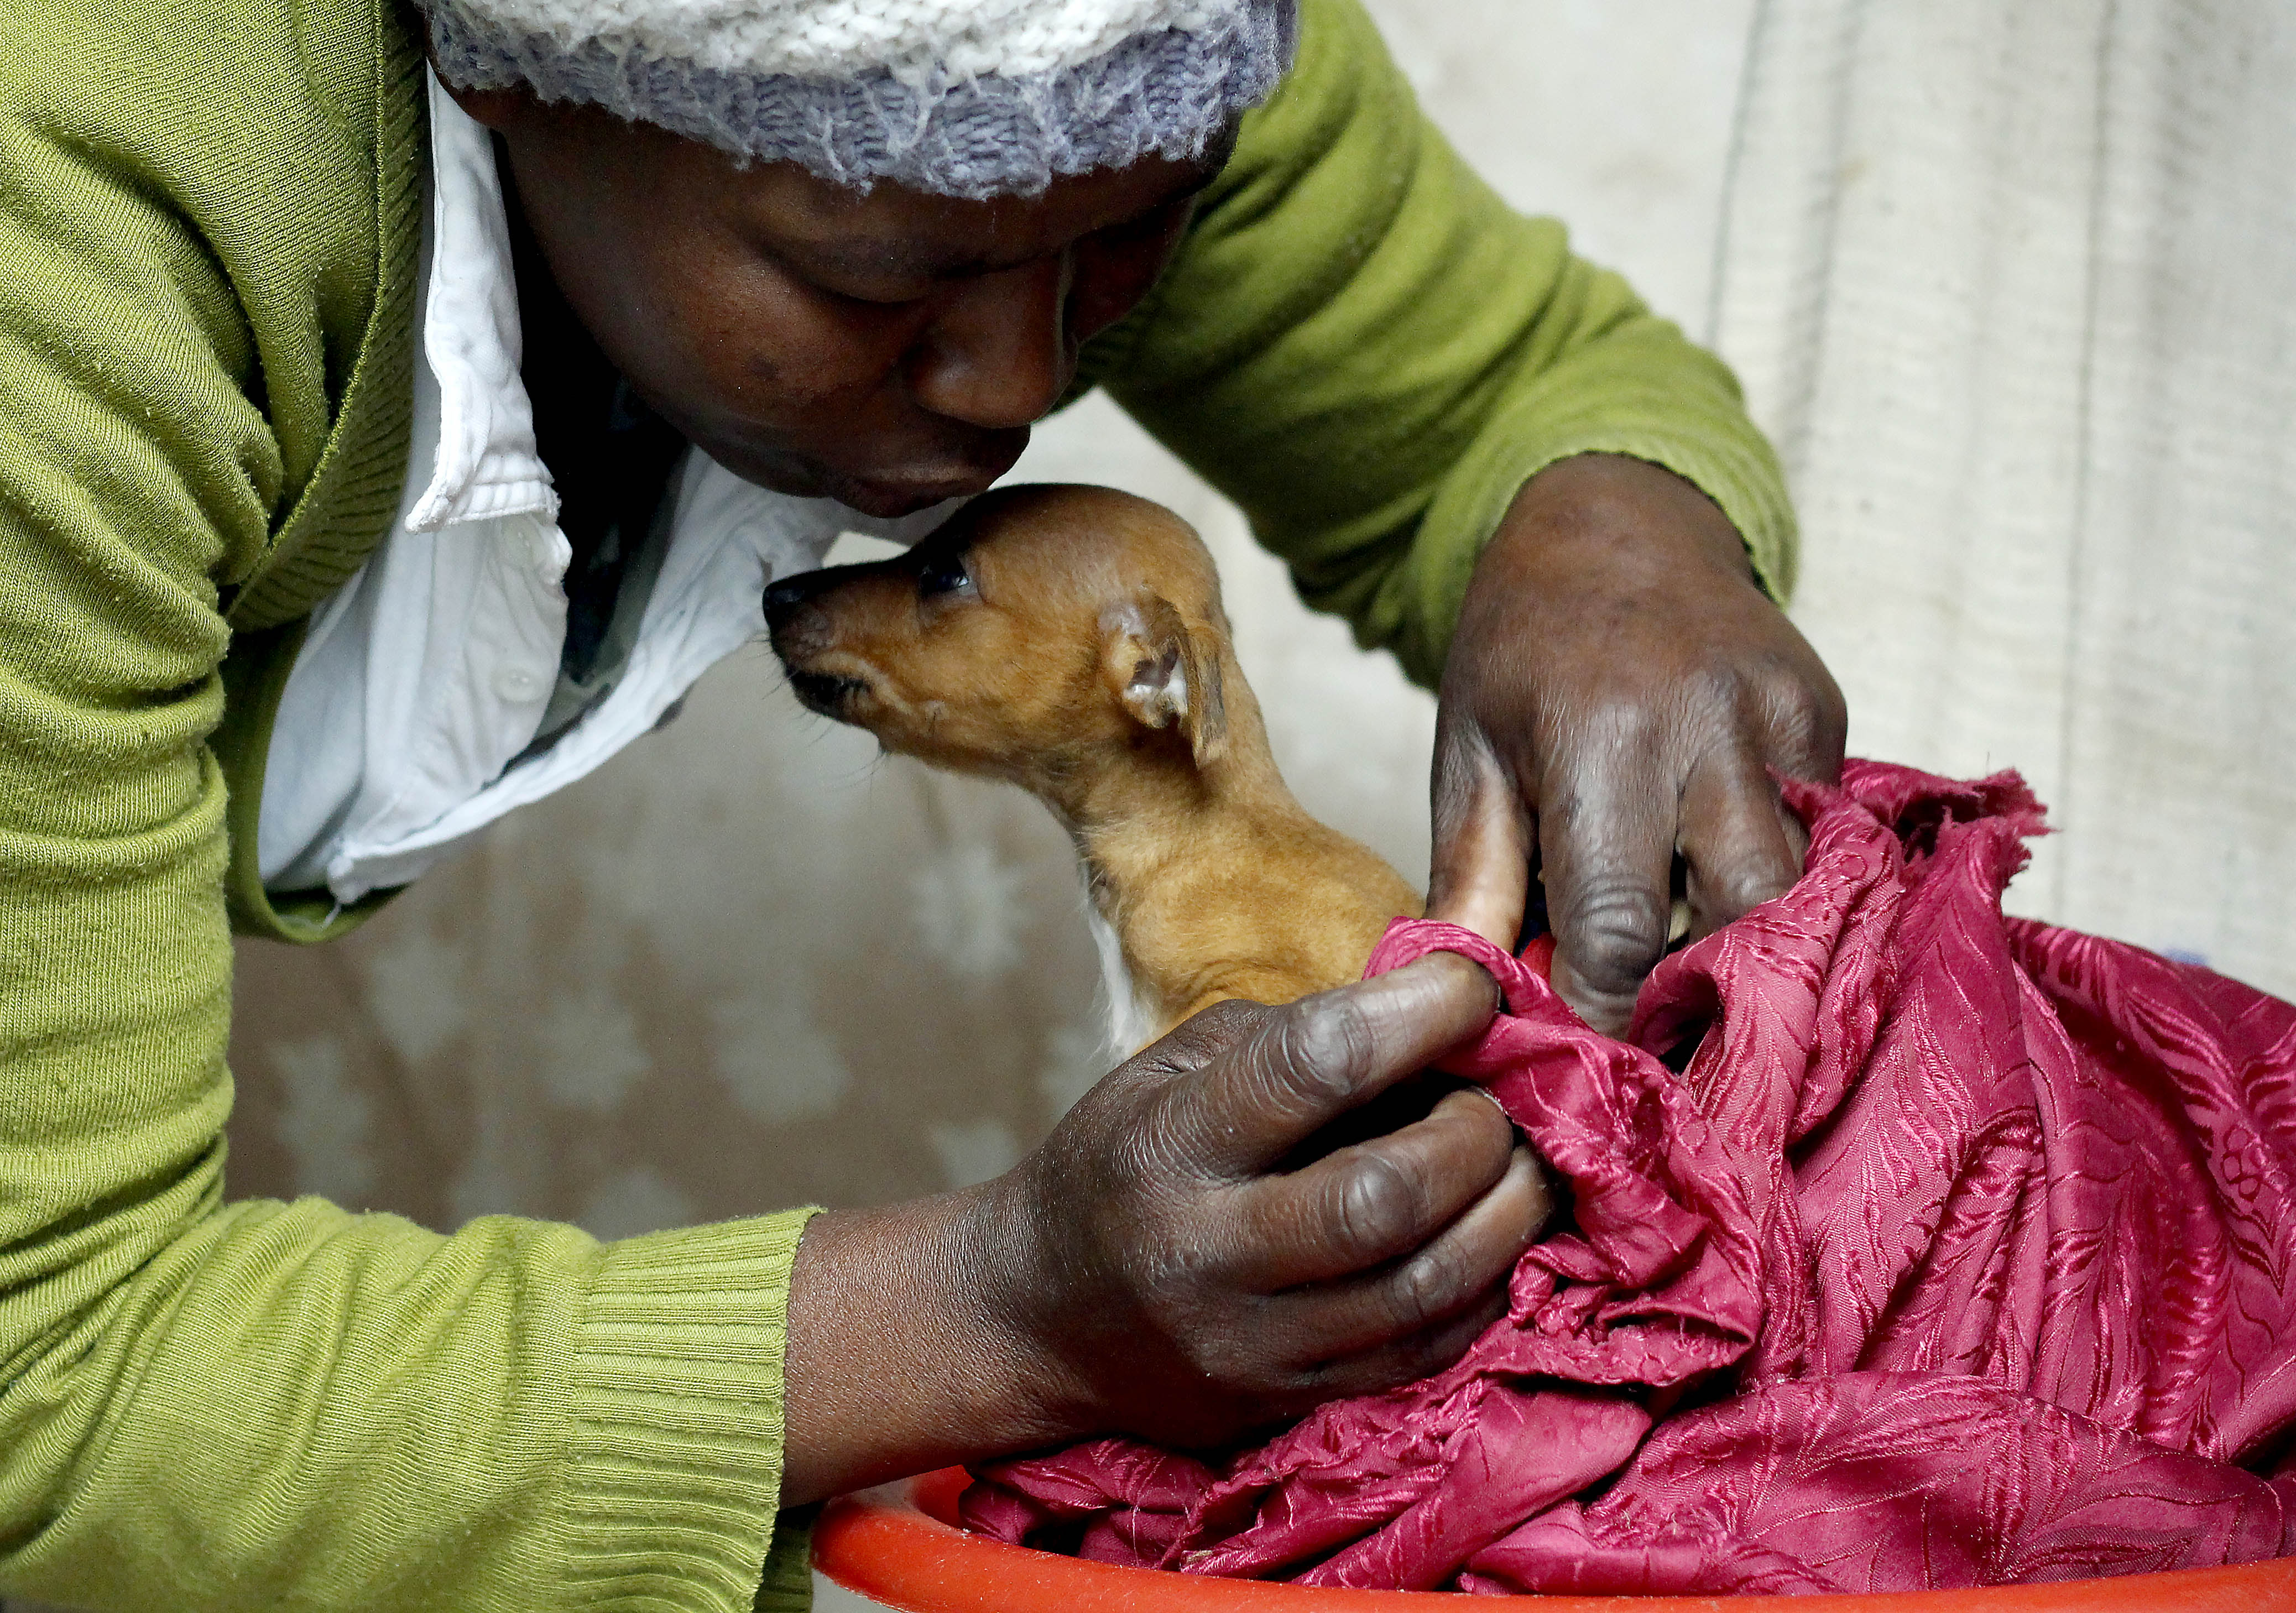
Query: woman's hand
[(1617, 694), (1162, 1266)]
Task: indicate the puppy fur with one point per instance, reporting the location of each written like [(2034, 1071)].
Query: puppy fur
[(1069, 640)]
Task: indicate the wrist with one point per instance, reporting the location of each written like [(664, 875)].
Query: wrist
[(1023, 1294), (1614, 511), (910, 1348)]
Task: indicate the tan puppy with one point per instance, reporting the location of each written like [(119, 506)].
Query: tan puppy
[(1070, 639)]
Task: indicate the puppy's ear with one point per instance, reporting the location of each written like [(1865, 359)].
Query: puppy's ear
[(1165, 673)]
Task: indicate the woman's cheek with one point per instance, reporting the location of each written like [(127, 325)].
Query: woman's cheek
[(791, 351), (1111, 277)]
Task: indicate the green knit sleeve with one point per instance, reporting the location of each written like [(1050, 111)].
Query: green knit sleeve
[(1370, 352), (207, 1405)]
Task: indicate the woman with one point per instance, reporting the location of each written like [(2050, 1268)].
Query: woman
[(308, 577)]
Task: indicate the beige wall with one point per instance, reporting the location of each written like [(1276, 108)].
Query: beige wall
[(2009, 287), (748, 963)]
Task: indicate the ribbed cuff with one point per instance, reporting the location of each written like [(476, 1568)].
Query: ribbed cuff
[(675, 1460)]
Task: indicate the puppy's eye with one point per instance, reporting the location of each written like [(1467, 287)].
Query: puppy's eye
[(946, 575)]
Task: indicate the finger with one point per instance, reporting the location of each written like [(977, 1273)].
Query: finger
[(1479, 876), (1734, 841), (1606, 846), (1453, 1275), (1400, 1362), (1300, 1067), (1375, 1201), (1805, 721)]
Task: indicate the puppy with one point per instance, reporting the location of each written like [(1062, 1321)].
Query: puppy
[(1069, 640)]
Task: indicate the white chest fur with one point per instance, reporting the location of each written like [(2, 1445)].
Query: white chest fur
[(1132, 1017)]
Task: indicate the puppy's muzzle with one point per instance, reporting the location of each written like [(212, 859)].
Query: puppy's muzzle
[(824, 691), (799, 630)]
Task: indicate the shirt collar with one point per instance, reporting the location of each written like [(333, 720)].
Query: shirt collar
[(486, 464)]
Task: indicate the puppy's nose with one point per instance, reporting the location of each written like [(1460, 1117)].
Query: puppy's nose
[(785, 595), (798, 626)]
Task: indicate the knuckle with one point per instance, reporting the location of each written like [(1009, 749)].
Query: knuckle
[(1805, 715), (1741, 890), (1379, 1204), (1620, 932), (1716, 682), (1320, 1046), (1793, 697), (1425, 1288), (1794, 719)]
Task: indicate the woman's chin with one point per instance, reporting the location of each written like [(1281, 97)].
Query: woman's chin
[(890, 500), (887, 494)]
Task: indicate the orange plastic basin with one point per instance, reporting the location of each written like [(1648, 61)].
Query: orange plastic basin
[(900, 1545)]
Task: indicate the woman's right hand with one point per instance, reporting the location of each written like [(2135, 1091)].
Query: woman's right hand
[(1158, 1267)]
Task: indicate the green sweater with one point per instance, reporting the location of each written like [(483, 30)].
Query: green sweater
[(207, 326)]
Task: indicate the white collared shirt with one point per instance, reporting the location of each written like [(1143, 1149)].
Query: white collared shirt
[(426, 674)]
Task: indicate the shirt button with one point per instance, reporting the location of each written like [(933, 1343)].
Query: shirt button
[(517, 684)]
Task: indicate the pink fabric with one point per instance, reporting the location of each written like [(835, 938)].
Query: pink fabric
[(1960, 1255)]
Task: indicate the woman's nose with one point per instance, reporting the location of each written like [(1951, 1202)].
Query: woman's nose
[(997, 354)]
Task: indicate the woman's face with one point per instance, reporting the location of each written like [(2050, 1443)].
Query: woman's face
[(889, 351)]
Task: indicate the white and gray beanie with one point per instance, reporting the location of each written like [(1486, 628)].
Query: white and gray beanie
[(968, 98)]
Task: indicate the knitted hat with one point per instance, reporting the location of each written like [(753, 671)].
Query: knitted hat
[(967, 98)]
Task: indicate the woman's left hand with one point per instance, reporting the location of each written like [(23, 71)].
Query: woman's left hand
[(1618, 693)]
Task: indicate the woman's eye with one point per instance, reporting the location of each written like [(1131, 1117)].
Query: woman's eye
[(946, 575)]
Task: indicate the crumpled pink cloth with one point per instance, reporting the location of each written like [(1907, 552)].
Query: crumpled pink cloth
[(1961, 1252)]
